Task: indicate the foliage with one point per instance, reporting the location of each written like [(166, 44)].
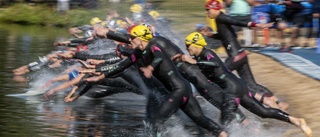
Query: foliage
[(47, 16), (183, 14)]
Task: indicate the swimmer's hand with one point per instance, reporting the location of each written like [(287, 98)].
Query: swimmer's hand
[(176, 57), (188, 59), (265, 25), (147, 71), (48, 94), (71, 97), (87, 71), (95, 62), (100, 31), (86, 64)]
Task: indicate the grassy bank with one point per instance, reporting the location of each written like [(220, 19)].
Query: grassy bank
[(183, 14), (48, 16)]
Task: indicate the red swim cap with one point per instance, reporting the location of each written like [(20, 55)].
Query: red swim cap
[(130, 28), (213, 4), (81, 47)]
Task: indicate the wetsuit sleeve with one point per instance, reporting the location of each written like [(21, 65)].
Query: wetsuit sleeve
[(211, 62), (223, 18), (85, 27), (114, 69), (84, 56), (117, 36), (112, 60), (78, 40), (207, 64), (158, 56), (125, 51), (83, 86)]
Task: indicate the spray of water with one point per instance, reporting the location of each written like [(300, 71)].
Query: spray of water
[(174, 126)]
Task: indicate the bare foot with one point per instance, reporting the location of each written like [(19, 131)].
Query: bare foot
[(305, 128)]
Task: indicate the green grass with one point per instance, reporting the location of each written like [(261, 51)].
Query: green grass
[(182, 14)]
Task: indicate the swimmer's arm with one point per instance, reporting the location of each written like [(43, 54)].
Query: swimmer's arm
[(106, 33), (124, 50), (229, 20), (64, 77), (211, 61), (158, 56), (207, 64), (84, 27), (114, 69), (55, 64), (112, 60), (56, 79), (117, 36)]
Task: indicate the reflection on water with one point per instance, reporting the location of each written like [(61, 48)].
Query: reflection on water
[(34, 116), (86, 117), (117, 115)]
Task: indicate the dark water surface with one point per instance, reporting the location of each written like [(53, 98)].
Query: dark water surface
[(35, 116), (118, 115)]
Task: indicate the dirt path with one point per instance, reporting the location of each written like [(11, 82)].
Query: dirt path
[(300, 91)]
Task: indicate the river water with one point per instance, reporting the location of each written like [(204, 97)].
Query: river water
[(118, 115), (35, 116)]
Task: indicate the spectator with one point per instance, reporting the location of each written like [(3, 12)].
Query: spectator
[(276, 16), (62, 6), (316, 13), (240, 10), (293, 15), (261, 11), (307, 13)]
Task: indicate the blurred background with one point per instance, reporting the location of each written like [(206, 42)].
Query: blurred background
[(28, 28)]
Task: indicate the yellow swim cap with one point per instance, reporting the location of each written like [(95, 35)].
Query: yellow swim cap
[(122, 24), (154, 14), (95, 20), (195, 39), (103, 23), (136, 8), (141, 32)]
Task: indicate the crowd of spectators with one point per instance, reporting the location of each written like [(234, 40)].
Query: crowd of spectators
[(292, 19)]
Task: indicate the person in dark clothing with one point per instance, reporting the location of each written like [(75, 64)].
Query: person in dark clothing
[(157, 63), (209, 90), (316, 13), (215, 70), (238, 59), (293, 14)]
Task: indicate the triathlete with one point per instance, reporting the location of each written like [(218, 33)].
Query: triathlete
[(215, 70), (157, 63), (210, 91), (238, 59)]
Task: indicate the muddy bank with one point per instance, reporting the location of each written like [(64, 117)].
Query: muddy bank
[(300, 91)]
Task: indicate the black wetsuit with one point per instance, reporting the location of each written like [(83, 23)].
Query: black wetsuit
[(215, 70), (180, 95), (130, 75), (150, 88), (210, 91), (110, 58), (237, 59)]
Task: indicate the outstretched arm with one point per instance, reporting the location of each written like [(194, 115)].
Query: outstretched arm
[(63, 86)]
